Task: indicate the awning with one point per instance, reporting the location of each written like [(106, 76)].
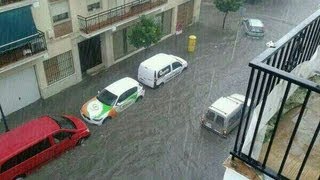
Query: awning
[(16, 28)]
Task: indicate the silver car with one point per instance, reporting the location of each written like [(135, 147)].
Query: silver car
[(253, 27)]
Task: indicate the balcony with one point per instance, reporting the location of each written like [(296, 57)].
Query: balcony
[(6, 2), (280, 137), (103, 19), (28, 49)]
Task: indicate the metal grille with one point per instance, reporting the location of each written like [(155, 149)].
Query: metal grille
[(59, 67), (269, 69), (106, 18)]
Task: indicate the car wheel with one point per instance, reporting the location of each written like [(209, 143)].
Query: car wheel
[(106, 119), (139, 98), (160, 85), (80, 142), (20, 177)]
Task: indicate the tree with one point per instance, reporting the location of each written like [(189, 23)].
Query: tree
[(145, 33), (226, 6)]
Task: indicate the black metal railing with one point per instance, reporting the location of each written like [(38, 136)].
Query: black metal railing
[(267, 70), (26, 49), (6, 2), (106, 18)]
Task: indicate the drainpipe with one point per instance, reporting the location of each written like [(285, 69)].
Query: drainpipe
[(4, 119)]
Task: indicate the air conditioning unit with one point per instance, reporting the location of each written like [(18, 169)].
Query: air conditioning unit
[(50, 33)]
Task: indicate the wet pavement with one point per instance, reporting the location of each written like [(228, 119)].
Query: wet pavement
[(160, 136)]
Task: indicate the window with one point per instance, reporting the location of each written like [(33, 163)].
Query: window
[(121, 45), (210, 115), (235, 117), (26, 154), (164, 71), (59, 11), (58, 67), (107, 97), (63, 122), (220, 121), (93, 5), (131, 91), (176, 65), (123, 97), (61, 136), (164, 20)]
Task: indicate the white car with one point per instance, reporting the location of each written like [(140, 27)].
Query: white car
[(159, 69), (224, 114), (111, 100), (253, 27)]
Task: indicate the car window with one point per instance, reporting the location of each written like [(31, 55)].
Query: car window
[(235, 117), (164, 71), (63, 122), (127, 94), (210, 115), (60, 136), (107, 97), (131, 91), (220, 121), (26, 154), (176, 65)]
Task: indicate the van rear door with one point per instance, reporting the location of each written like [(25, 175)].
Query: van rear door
[(146, 76)]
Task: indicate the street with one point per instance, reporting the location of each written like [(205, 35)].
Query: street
[(160, 137)]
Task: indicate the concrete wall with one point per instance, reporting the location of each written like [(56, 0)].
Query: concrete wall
[(304, 70)]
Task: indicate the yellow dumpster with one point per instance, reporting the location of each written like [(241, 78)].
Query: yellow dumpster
[(192, 43)]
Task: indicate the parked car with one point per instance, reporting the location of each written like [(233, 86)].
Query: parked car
[(32, 144), (159, 69), (253, 27), (111, 100), (224, 114)]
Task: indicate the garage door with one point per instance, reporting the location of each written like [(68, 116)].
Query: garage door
[(185, 13), (18, 90)]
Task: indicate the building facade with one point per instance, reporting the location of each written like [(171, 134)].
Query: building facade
[(69, 38)]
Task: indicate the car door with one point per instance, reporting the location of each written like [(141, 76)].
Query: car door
[(127, 98), (164, 75), (62, 141), (176, 68)]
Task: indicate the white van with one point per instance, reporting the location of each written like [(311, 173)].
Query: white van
[(224, 114), (159, 69)]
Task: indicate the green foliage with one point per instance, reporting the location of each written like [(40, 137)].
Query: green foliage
[(145, 33), (228, 5)]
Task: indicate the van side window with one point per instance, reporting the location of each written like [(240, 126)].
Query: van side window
[(176, 65), (26, 154), (235, 117), (60, 136), (164, 71)]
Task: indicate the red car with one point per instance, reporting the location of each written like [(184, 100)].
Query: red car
[(32, 144)]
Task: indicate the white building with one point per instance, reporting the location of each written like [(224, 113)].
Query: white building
[(70, 37)]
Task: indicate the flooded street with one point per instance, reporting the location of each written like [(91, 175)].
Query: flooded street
[(160, 137)]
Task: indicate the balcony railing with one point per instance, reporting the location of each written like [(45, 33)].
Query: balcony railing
[(30, 48), (103, 19), (6, 2), (273, 67)]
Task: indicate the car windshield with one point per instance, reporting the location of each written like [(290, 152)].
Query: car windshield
[(107, 97), (210, 115), (257, 29), (63, 122)]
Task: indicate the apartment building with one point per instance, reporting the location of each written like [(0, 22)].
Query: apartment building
[(49, 44)]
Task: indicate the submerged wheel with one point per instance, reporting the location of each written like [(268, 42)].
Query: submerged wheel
[(160, 85), (139, 98), (80, 141), (106, 119)]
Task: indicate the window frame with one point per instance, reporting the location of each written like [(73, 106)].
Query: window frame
[(162, 75), (94, 10), (180, 65), (69, 134), (26, 154), (63, 20)]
